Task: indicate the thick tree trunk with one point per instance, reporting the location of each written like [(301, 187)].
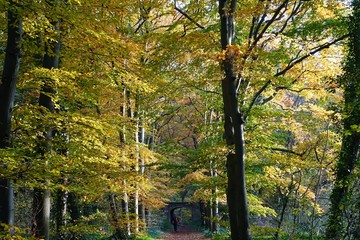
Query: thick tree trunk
[(7, 208), (61, 211), (7, 95), (346, 164), (41, 212), (349, 154), (234, 131), (9, 76), (42, 201)]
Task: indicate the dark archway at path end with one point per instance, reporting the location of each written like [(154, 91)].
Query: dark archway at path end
[(170, 208)]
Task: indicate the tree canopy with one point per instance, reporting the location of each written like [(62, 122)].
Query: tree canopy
[(119, 107)]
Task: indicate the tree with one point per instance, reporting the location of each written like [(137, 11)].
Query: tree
[(42, 200), (254, 63), (7, 95), (350, 150), (149, 68), (234, 131)]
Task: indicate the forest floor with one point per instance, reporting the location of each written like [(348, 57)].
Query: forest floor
[(183, 233)]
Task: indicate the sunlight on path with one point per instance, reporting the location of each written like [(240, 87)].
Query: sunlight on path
[(183, 234)]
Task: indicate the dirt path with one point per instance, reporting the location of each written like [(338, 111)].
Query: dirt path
[(183, 234)]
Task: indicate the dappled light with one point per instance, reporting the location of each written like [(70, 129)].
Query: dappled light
[(228, 119)]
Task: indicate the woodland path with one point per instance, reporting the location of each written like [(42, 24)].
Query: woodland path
[(183, 234)]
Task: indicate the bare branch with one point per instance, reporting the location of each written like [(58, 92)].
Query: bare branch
[(251, 32), (271, 21), (262, 20), (284, 150), (278, 88), (188, 17), (143, 18), (296, 9), (257, 36), (287, 68), (262, 89), (315, 50)]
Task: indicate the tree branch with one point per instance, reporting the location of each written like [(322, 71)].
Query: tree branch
[(257, 36), (188, 17), (261, 21), (268, 23), (284, 150), (315, 50), (278, 88), (296, 9), (290, 66), (262, 89)]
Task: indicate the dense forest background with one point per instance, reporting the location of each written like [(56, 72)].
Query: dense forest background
[(110, 109)]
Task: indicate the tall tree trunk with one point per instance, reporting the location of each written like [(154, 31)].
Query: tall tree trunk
[(42, 203), (234, 131), (7, 96), (61, 211), (74, 209), (142, 170), (125, 200), (137, 168), (119, 233), (214, 203), (349, 154), (74, 212), (215, 224), (41, 212), (62, 195)]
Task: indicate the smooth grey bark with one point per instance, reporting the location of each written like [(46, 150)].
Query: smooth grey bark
[(42, 197), (125, 200), (62, 196), (349, 155), (142, 170), (214, 200), (42, 201), (7, 96), (41, 213), (61, 211), (234, 132), (137, 167)]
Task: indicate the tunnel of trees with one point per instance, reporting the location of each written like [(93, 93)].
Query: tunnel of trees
[(249, 109)]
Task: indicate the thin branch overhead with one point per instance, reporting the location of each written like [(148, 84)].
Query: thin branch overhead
[(188, 17), (292, 64), (312, 52)]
